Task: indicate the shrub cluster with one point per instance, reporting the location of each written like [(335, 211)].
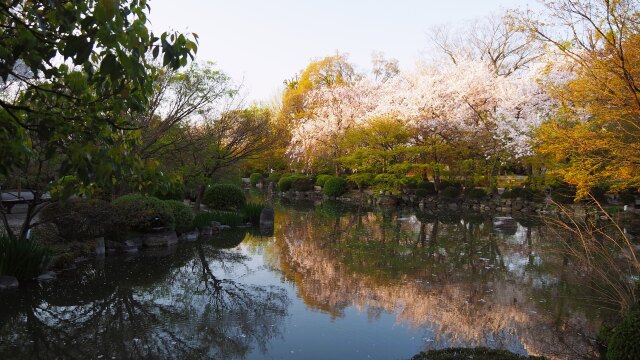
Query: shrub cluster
[(475, 193), (450, 192), (80, 219), (302, 183), (322, 179), (527, 194), (224, 197), (563, 194), (143, 213), (274, 177), (182, 214), (335, 186), (428, 188), (175, 191)]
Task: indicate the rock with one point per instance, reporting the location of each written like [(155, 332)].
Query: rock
[(165, 238), (317, 188), (100, 248), (206, 231), (267, 221), (453, 206), (505, 222), (48, 276), (8, 282), (388, 200), (190, 236), (224, 227), (215, 226)]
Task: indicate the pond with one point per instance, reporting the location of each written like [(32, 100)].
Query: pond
[(331, 283)]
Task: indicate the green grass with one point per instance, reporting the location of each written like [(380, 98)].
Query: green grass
[(223, 217), (23, 259), (251, 212)]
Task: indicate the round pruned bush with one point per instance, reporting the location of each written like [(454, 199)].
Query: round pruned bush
[(362, 180), (322, 179), (285, 182), (255, 178), (302, 183), (224, 197), (79, 219), (523, 194), (335, 186), (450, 192), (182, 214), (475, 193), (143, 213)]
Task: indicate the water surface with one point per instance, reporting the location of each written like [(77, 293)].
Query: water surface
[(331, 283)]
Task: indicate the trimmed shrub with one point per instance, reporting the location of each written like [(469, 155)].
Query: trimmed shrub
[(79, 219), (224, 197), (475, 193), (255, 178), (24, 259), (627, 197), (284, 184), (428, 186), (143, 213), (335, 186), (450, 192), (182, 214), (302, 183), (251, 212), (623, 339), (386, 181), (322, 179), (274, 177)]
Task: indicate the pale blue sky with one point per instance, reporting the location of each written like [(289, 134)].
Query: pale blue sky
[(262, 43)]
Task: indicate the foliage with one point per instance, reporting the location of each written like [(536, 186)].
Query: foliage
[(450, 183), (527, 194), (285, 183), (255, 178), (302, 183), (80, 219), (386, 182), (230, 218), (411, 182), (335, 186), (622, 341), (274, 177), (428, 187), (251, 212), (475, 193), (22, 258), (450, 192), (143, 213), (362, 179), (224, 197), (563, 194), (423, 193), (174, 191), (182, 214), (321, 179), (480, 353)]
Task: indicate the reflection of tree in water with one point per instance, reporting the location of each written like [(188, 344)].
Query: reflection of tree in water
[(187, 305), (460, 280)]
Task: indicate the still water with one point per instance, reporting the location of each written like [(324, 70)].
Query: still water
[(330, 283)]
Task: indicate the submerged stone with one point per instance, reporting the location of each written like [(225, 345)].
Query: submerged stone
[(8, 282)]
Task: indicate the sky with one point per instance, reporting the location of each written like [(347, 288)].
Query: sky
[(261, 43)]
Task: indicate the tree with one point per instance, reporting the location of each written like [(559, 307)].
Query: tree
[(220, 143), (75, 74), (595, 139)]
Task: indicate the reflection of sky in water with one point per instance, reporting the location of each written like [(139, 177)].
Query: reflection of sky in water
[(351, 286)]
